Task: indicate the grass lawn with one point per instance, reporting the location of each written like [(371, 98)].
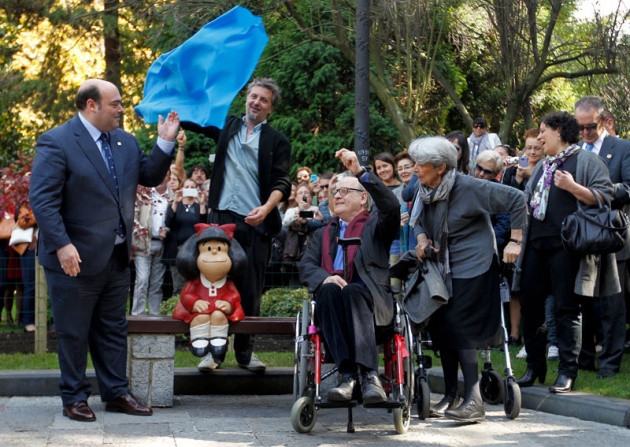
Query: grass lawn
[(618, 386)]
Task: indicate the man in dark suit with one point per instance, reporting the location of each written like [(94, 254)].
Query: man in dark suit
[(348, 310), (250, 177), (607, 316), (83, 189)]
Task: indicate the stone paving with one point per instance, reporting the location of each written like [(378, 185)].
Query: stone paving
[(252, 421)]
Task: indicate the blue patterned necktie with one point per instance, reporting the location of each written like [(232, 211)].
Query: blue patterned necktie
[(109, 159), (589, 146)]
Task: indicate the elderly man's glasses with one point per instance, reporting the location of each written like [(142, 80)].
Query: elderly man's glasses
[(484, 170), (479, 126), (344, 191), (588, 127)]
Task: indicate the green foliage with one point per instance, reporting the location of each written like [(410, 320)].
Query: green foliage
[(168, 306), (283, 302)]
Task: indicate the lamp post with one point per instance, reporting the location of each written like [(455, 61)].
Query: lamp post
[(362, 83)]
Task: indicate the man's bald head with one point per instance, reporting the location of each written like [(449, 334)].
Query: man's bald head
[(100, 103)]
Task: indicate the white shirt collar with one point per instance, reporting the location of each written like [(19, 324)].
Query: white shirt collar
[(208, 284)]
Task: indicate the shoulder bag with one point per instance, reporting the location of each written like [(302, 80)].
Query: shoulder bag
[(594, 231)]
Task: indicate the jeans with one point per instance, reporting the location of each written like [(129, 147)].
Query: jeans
[(550, 320), (149, 277)]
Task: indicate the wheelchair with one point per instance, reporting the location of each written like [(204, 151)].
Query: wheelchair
[(397, 375)]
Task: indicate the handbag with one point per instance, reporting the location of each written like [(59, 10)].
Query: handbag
[(6, 226), (594, 231), (21, 236)]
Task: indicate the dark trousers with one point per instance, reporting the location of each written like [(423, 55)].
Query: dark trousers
[(551, 272), (257, 247), (89, 312), (27, 262), (346, 317), (606, 316)]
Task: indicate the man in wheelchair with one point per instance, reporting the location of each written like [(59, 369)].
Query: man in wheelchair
[(348, 309)]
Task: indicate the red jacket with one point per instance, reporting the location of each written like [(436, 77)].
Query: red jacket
[(194, 290)]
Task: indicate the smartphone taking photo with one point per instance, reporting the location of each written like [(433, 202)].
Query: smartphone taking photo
[(189, 192)]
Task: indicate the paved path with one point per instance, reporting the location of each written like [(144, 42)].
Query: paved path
[(234, 421)]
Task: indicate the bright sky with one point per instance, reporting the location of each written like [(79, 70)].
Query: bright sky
[(604, 6)]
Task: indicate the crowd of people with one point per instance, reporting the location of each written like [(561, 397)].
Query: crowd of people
[(485, 213)]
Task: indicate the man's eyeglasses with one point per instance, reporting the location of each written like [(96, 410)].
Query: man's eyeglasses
[(588, 127), (479, 126), (344, 191), (484, 170), (323, 186), (404, 168)]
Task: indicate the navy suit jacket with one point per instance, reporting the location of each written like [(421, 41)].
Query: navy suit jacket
[(74, 198), (616, 155)]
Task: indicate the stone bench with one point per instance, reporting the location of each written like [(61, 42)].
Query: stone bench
[(151, 353)]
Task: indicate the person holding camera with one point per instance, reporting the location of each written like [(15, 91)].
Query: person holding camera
[(187, 209), (299, 222)]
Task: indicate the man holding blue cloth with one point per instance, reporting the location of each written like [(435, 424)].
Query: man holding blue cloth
[(249, 179)]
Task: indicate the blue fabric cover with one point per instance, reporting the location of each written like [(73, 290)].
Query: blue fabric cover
[(200, 78)]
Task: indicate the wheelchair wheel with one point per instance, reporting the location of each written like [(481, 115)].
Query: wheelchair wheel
[(303, 415), (402, 415), (492, 388), (512, 401), (423, 397), (302, 347)]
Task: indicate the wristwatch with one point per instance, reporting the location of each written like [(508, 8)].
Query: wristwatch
[(361, 173)]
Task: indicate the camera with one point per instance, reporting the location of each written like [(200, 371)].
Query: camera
[(306, 214), (314, 178), (189, 192), (512, 160), (523, 162)]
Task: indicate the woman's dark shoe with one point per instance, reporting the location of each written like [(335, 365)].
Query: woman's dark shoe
[(513, 341), (469, 411), (529, 378), (563, 384), (447, 403)]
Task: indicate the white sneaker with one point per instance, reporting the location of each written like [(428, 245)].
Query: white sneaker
[(522, 354), (553, 354), (254, 364), (207, 364)]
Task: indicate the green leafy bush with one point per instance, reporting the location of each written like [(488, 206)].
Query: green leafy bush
[(283, 302), (167, 307)]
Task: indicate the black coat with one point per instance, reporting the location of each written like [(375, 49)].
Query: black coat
[(372, 259)]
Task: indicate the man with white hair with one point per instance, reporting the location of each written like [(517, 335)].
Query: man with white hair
[(349, 309)]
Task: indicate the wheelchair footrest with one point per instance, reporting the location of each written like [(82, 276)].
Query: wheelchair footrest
[(351, 404)]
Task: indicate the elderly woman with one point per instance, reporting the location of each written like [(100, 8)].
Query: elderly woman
[(451, 221), (553, 192)]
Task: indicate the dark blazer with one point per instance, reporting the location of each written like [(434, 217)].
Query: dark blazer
[(74, 197), (372, 258), (274, 158), (616, 155)]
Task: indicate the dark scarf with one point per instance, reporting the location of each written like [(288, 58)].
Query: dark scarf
[(354, 229)]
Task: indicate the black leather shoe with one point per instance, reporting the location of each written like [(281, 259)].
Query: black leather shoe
[(447, 403), (344, 392), (127, 403), (563, 384), (79, 411), (372, 389), (470, 411), (529, 378)]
